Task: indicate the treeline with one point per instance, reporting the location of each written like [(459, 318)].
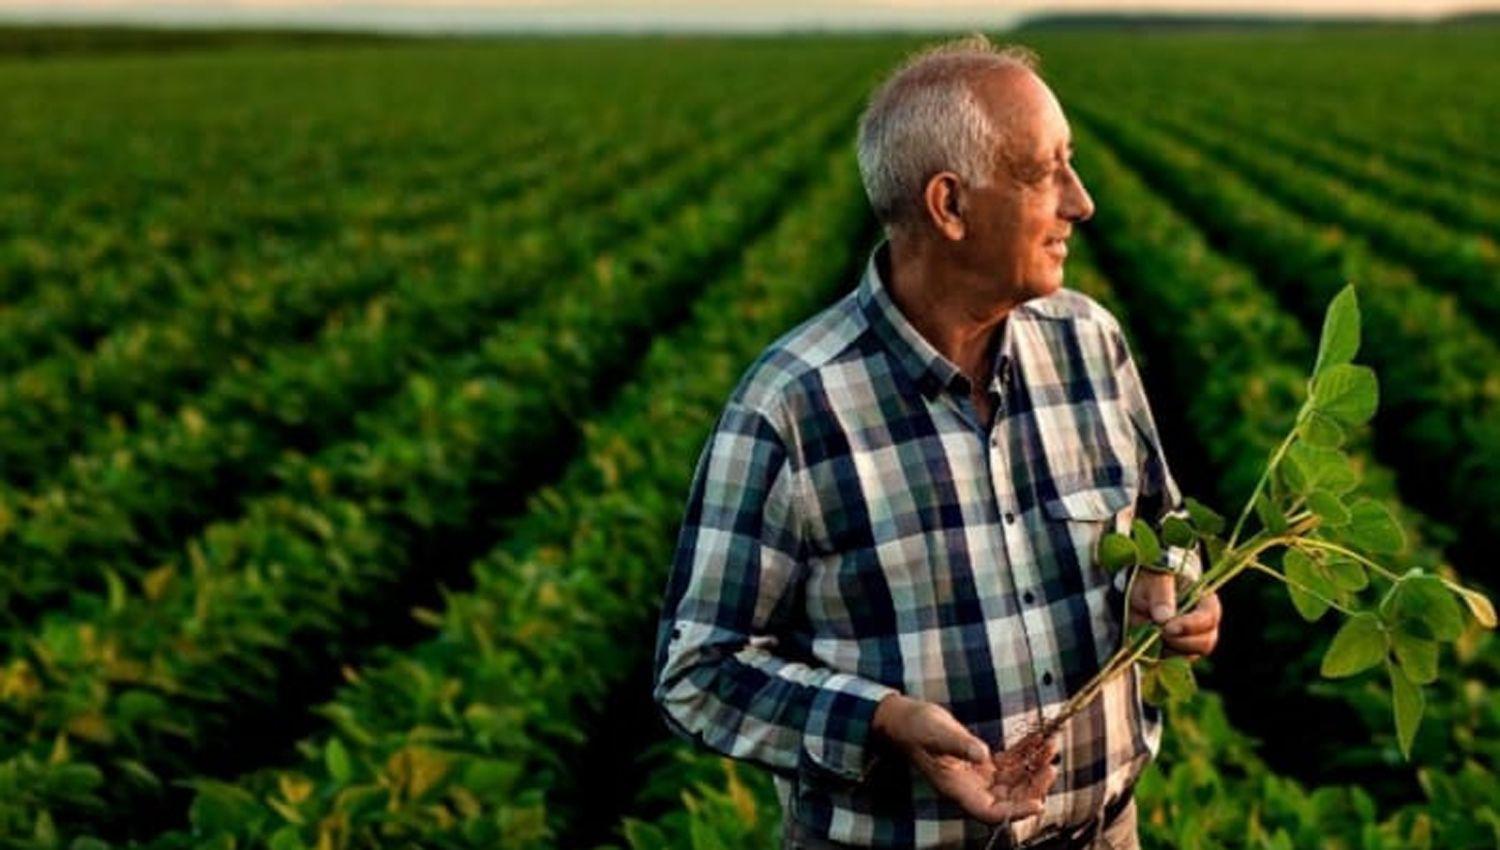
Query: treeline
[(52, 40)]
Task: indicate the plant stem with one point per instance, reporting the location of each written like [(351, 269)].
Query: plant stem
[(1264, 477), (1233, 563), (1257, 565), (1349, 553)]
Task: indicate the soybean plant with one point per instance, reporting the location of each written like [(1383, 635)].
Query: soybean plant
[(1315, 535)]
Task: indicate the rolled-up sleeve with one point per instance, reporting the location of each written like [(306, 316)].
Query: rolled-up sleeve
[(1159, 496), (719, 679)]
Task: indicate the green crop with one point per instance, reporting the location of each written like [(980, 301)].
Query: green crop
[(1316, 536)]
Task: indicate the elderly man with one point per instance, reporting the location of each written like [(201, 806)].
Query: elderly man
[(885, 576)]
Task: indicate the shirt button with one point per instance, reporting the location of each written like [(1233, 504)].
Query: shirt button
[(1010, 517), (1028, 598), (1047, 678)]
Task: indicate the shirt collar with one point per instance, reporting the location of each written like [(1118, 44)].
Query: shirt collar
[(922, 362)]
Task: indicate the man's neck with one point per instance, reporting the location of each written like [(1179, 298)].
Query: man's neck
[(931, 295)]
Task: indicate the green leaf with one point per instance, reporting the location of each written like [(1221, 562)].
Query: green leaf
[(642, 835), (1215, 547), (1204, 518), (286, 838), (1418, 657), (1301, 571), (1116, 551), (1424, 599), (1406, 699), (1372, 527), (1153, 691), (337, 759), (116, 586), (221, 807), (1176, 677), (1306, 468), (1175, 531), (1148, 548), (44, 830), (1347, 573), (1340, 339), (1321, 431), (1328, 507), (1270, 516), (138, 773), (1359, 645), (1346, 393)]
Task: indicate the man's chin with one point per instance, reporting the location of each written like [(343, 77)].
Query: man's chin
[(1048, 284)]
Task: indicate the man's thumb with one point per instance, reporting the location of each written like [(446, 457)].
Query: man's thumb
[(1161, 597)]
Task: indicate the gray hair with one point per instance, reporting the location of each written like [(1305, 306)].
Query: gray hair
[(926, 118)]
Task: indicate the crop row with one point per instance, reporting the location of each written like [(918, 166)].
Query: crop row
[(146, 686), (113, 169), (1364, 120), (1457, 174), (124, 507), (1466, 264), (473, 738), (1460, 208), (120, 299), (1440, 419), (232, 323), (81, 265), (53, 406), (184, 217), (1433, 80)]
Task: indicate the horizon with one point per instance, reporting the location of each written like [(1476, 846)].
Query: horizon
[(480, 16)]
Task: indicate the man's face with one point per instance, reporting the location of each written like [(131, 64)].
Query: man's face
[(1019, 224)]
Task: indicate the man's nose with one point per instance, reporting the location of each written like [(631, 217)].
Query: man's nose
[(1077, 206)]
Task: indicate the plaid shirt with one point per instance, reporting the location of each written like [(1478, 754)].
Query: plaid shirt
[(853, 529)]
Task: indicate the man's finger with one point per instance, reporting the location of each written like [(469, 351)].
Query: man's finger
[(1004, 810), (1203, 618), (1154, 596), (976, 801), (1199, 644), (952, 739)]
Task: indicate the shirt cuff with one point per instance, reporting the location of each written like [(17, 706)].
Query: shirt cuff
[(836, 740)]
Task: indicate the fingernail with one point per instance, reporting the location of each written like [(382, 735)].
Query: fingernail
[(977, 753), (1173, 630), (1161, 613)]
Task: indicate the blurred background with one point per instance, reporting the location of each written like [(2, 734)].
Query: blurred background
[(355, 357)]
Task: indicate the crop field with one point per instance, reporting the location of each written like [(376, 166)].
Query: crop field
[(350, 392)]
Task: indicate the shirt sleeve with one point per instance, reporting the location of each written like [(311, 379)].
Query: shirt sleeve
[(719, 678), (1158, 497)]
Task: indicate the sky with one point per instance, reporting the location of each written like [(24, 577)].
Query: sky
[(732, 15)]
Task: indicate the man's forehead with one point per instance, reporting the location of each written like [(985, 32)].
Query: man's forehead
[(1025, 111)]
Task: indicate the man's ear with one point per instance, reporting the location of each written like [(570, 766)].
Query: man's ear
[(943, 202)]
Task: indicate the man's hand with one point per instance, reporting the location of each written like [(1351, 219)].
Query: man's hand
[(993, 788), (1154, 598)]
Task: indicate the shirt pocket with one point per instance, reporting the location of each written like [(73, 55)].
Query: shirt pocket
[(1088, 473), (1089, 464), (1084, 516)]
